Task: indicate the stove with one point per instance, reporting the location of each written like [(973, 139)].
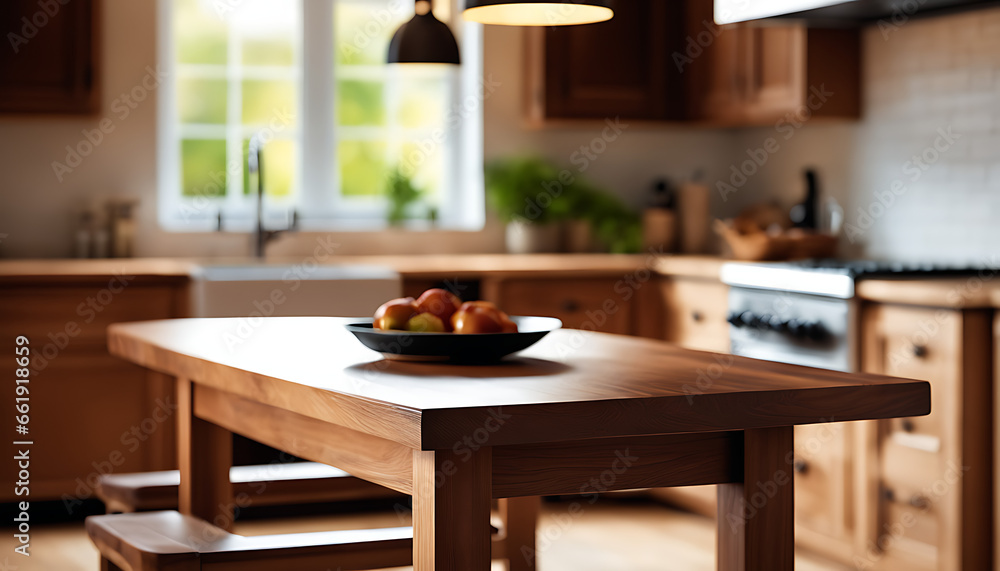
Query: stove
[(805, 312)]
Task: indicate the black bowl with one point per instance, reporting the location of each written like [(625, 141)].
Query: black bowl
[(465, 347)]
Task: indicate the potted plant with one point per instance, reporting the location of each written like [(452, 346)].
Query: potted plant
[(527, 194), (401, 194)]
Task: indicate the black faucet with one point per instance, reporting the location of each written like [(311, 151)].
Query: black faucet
[(255, 166)]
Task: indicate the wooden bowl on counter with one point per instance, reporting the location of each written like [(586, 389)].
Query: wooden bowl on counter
[(760, 246)]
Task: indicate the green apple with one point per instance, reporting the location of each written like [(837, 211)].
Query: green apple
[(426, 323)]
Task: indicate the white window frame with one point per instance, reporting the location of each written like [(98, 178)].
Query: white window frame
[(316, 196)]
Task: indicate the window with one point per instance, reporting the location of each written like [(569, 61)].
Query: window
[(310, 77)]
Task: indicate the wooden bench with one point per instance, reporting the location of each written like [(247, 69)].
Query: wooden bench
[(169, 541), (269, 484)]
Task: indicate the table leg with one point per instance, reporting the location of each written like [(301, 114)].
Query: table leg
[(520, 519), (755, 524), (204, 456), (451, 510)]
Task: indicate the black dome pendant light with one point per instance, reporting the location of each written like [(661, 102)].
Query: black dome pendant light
[(538, 12), (424, 39)]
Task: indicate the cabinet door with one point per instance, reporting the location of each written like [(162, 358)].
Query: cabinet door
[(695, 316), (716, 70), (926, 476), (776, 71), (616, 68), (90, 412), (824, 489), (49, 65), (590, 303)]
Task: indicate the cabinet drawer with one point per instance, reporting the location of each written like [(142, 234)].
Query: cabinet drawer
[(590, 303), (77, 314), (695, 315)]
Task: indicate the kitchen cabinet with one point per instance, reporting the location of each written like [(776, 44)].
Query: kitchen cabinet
[(581, 303), (694, 313), (619, 68), (669, 61), (90, 413), (51, 64), (753, 74), (925, 483)]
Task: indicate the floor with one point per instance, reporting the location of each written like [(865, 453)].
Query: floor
[(608, 536)]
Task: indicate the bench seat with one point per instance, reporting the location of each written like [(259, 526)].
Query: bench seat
[(262, 485), (170, 541)]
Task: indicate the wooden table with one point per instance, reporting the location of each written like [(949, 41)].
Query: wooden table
[(577, 413)]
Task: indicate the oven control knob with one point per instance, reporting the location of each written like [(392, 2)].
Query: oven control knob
[(796, 328), (815, 331), (749, 319), (765, 322), (734, 318), (778, 324)]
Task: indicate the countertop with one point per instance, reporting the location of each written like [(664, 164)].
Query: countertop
[(966, 292), (451, 265)]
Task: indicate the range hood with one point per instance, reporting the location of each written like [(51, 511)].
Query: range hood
[(837, 12)]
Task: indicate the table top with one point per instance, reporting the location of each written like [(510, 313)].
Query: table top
[(571, 385)]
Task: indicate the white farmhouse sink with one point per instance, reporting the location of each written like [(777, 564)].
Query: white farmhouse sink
[(291, 290)]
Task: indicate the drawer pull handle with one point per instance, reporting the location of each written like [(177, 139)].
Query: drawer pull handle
[(907, 425), (920, 502), (800, 467), (919, 351), (697, 316), (570, 306), (888, 495)]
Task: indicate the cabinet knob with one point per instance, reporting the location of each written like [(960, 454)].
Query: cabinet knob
[(920, 501), (697, 316), (570, 306), (919, 351), (800, 466), (888, 495), (907, 425)]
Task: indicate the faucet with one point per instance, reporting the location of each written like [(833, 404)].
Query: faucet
[(255, 166)]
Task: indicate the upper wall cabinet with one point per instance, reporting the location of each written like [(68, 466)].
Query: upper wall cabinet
[(659, 60), (49, 62), (621, 67), (750, 74)]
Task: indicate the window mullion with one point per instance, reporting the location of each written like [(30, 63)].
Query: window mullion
[(319, 185)]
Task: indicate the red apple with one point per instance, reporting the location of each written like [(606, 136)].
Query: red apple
[(478, 317), (426, 322), (439, 302), (395, 313)]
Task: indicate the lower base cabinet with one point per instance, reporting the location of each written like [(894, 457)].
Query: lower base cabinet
[(927, 483), (90, 413), (911, 494)]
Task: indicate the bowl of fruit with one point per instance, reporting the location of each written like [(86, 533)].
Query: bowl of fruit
[(438, 326)]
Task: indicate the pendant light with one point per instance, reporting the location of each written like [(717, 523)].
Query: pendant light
[(424, 39), (538, 12)]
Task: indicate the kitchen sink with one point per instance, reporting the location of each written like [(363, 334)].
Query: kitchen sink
[(243, 290)]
